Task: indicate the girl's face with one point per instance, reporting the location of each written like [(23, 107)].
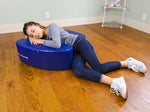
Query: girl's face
[(35, 31)]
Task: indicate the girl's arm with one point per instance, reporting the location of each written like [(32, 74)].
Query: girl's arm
[(54, 34), (36, 41)]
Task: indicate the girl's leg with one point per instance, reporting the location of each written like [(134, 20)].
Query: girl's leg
[(86, 51), (134, 64), (79, 69), (78, 66), (117, 85), (106, 80), (124, 64)]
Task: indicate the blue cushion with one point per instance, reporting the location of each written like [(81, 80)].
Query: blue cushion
[(45, 57), (76, 33)]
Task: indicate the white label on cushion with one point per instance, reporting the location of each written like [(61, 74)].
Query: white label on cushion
[(23, 56)]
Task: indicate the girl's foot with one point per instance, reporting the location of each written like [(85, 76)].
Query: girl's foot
[(118, 86), (136, 65)]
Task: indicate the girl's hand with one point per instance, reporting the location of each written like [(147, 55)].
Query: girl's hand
[(35, 41), (32, 40)]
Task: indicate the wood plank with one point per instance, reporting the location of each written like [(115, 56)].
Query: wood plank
[(28, 89)]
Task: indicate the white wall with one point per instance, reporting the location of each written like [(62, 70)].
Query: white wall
[(20, 11), (14, 13)]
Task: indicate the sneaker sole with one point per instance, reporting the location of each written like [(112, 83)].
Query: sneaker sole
[(125, 96)]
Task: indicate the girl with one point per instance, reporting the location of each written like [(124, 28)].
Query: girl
[(54, 36)]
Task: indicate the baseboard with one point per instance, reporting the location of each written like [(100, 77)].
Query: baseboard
[(79, 21), (137, 25), (131, 23), (62, 23)]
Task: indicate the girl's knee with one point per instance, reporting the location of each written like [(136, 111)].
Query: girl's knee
[(77, 71)]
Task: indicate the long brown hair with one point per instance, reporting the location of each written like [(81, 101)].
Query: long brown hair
[(30, 23)]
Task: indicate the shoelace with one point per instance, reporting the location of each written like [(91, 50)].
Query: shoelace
[(134, 68), (115, 90)]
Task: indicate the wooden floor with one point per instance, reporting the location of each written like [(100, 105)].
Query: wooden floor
[(27, 89)]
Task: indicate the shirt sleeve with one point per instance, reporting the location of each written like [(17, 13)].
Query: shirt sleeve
[(54, 34)]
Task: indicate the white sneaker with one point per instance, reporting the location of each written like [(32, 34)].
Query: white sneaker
[(136, 65), (118, 86)]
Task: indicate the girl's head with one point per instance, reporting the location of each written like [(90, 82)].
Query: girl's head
[(34, 30)]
